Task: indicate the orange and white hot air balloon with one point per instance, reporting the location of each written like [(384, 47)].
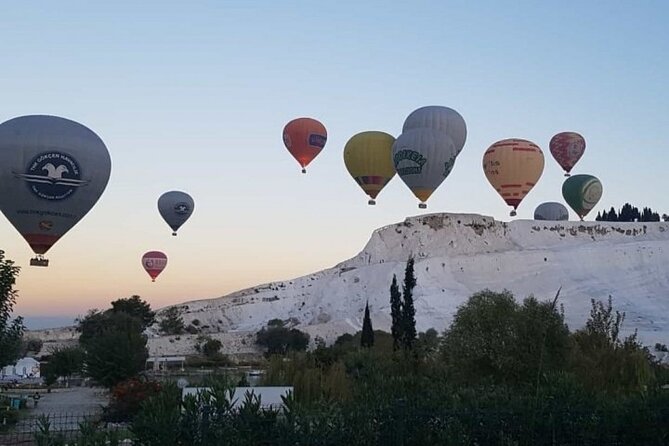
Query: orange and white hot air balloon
[(304, 138), (513, 167), (154, 262)]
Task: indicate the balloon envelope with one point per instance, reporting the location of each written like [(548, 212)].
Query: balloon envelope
[(423, 158), (368, 158), (513, 167), (154, 262), (567, 148), (440, 118), (52, 172), (175, 207), (551, 211), (582, 193), (304, 138)]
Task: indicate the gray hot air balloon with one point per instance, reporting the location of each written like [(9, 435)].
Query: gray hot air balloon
[(175, 207), (439, 118), (52, 172), (423, 158), (551, 211)]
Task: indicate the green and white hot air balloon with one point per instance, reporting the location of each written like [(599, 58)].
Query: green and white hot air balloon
[(582, 193)]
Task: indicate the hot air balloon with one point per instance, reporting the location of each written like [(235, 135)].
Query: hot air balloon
[(154, 262), (439, 118), (567, 148), (423, 158), (513, 167), (368, 158), (52, 172), (551, 211), (175, 207), (304, 138), (582, 193)]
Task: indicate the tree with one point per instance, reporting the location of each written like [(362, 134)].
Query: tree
[(135, 306), (11, 331), (172, 323), (604, 361), (408, 309), (396, 313), (492, 338), (66, 361), (665, 217), (367, 338), (208, 346), (118, 352), (91, 326), (278, 339)]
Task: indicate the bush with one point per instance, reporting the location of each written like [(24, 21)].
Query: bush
[(126, 398)]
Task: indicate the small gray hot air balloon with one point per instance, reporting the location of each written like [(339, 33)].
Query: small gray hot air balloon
[(423, 158), (551, 211), (175, 207), (52, 172), (443, 119)]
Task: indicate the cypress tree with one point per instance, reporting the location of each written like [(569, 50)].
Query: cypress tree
[(408, 309), (367, 337), (396, 313)]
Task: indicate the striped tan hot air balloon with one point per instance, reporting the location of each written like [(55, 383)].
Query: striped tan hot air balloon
[(513, 166), (368, 158)]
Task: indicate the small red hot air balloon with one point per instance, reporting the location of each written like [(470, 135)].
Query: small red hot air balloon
[(567, 148), (154, 262), (304, 138)]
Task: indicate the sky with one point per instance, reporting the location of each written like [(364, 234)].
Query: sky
[(194, 95)]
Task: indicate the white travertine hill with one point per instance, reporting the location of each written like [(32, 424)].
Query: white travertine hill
[(457, 255)]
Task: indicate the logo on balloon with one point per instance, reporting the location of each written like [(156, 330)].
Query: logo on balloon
[(448, 166), (46, 225), (181, 208), (53, 176), (417, 161), (316, 140)]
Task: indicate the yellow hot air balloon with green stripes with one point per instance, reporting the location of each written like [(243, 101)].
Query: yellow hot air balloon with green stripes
[(368, 158)]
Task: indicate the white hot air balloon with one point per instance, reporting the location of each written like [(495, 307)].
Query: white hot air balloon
[(423, 158), (439, 118), (551, 211)]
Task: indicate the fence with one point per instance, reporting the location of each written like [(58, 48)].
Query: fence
[(67, 426)]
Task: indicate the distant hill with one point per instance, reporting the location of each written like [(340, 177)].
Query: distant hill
[(457, 255)]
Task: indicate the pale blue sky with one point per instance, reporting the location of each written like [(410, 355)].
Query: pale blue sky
[(194, 95)]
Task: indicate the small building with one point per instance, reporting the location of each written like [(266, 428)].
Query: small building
[(24, 368), (157, 363)]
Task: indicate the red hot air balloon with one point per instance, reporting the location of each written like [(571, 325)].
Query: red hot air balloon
[(567, 148), (154, 262), (304, 138)]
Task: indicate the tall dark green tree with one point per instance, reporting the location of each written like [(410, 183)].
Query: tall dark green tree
[(396, 314), (118, 352), (367, 336), (135, 306), (408, 309), (11, 331), (172, 322)]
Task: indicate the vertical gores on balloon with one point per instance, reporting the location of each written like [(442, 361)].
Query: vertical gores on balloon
[(175, 207), (513, 167), (443, 119), (582, 193), (567, 148), (154, 262), (552, 211), (368, 158), (304, 138), (52, 172)]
